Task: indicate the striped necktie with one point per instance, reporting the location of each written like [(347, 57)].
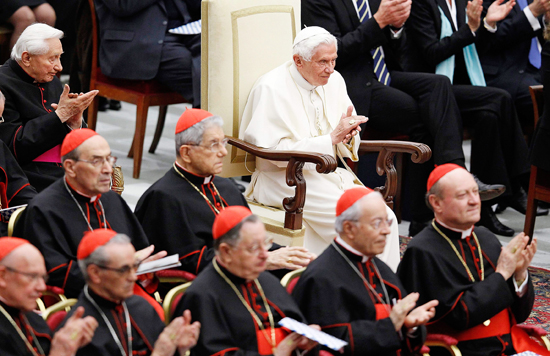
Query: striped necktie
[(534, 53), (380, 68)]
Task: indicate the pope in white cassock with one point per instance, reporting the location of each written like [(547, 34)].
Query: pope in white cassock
[(304, 105)]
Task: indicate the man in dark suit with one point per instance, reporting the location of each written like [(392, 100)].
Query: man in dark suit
[(136, 44), (418, 104), (511, 60), (445, 37)]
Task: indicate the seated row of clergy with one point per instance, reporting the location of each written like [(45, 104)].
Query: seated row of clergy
[(106, 304), (177, 212), (238, 305)]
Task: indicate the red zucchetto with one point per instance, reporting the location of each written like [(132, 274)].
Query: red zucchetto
[(74, 139), (8, 244), (190, 117), (228, 218), (92, 240), (349, 198), (440, 171)]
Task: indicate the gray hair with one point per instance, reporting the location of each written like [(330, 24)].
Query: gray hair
[(33, 40), (307, 48), (353, 213), (193, 135), (74, 155), (232, 236), (99, 256), (436, 190)]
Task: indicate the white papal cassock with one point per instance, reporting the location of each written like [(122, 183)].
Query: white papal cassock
[(285, 112)]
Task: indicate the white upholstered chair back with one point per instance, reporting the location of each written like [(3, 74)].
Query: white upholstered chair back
[(241, 41)]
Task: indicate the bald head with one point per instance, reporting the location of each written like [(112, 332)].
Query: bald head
[(21, 277)]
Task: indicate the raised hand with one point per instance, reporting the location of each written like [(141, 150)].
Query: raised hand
[(539, 7), (292, 257), (393, 12), (525, 258), (421, 315), (347, 127), (498, 11), (401, 309), (70, 107), (473, 11), (76, 333), (510, 256)]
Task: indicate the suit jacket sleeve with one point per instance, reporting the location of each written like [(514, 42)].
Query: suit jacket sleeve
[(511, 31)]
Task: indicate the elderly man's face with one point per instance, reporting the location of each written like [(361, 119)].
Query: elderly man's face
[(318, 70), (117, 277), (369, 233), (460, 206), (86, 177), (207, 158), (21, 277), (249, 258), (44, 67)]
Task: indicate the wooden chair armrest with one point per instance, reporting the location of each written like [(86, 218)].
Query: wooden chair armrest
[(296, 159), (419, 152), (445, 341), (325, 163)]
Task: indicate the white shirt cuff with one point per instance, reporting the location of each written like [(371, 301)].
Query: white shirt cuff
[(396, 34), (531, 18), (520, 291), (489, 28)]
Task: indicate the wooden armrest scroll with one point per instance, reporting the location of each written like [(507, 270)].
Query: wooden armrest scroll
[(419, 152), (294, 176)]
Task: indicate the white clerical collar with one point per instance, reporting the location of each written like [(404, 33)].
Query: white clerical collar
[(92, 198), (345, 245), (299, 79), (465, 233), (206, 179)]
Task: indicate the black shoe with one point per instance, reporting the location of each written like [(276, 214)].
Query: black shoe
[(489, 191), (103, 104), (518, 202), (491, 222), (114, 105), (415, 227)]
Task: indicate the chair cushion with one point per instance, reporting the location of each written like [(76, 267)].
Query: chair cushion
[(55, 319)]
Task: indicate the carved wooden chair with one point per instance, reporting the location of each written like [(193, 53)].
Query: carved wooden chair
[(539, 184), (55, 314), (242, 40), (143, 93)]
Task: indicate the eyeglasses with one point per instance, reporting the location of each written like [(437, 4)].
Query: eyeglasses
[(34, 277), (377, 224), (100, 161), (215, 146), (256, 249), (124, 270)]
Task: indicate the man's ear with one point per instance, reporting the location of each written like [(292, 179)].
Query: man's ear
[(26, 59), (184, 153), (348, 229), (298, 61), (69, 167), (435, 202), (93, 274), (224, 251), (3, 282)]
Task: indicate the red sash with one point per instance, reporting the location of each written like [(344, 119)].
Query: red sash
[(382, 311), (500, 325), (51, 155), (522, 342), (264, 346)]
